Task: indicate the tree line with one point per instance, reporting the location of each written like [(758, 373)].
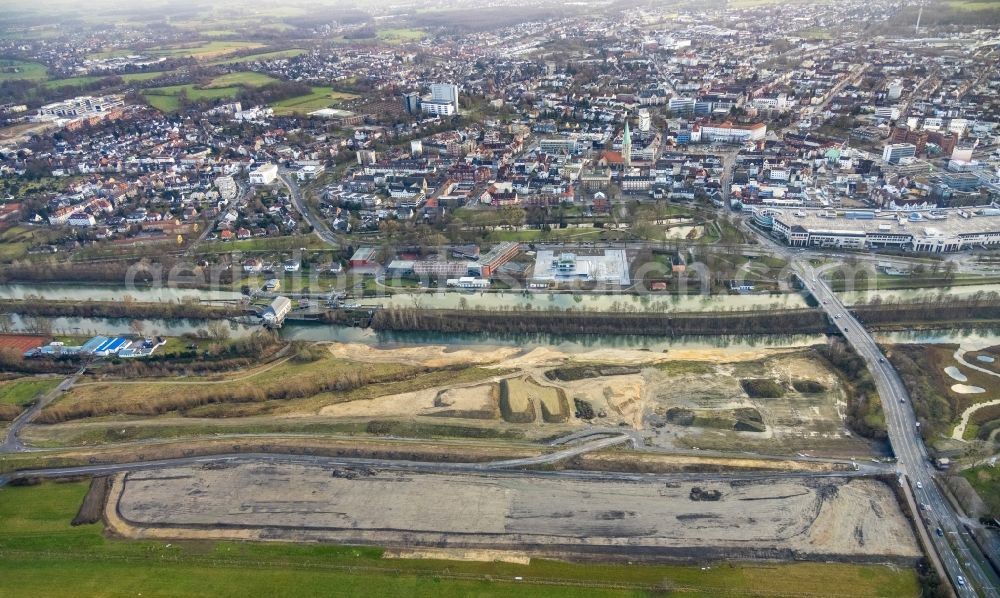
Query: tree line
[(119, 309), (640, 323)]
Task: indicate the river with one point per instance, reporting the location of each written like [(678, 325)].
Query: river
[(970, 337), (437, 300), (497, 300)]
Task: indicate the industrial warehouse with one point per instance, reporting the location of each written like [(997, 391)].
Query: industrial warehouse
[(100, 346), (934, 231)]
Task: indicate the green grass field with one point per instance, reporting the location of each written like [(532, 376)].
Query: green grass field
[(248, 79), (565, 234), (16, 240), (218, 32), (166, 99), (399, 36), (986, 481), (262, 56), (321, 97), (206, 50), (71, 81), (973, 4), (43, 555), (30, 71), (23, 391)]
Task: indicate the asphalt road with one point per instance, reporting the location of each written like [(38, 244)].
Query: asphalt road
[(319, 227), (11, 442), (913, 462)]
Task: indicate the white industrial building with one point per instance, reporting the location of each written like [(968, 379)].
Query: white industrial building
[(558, 145), (468, 282), (609, 268), (82, 106), (264, 174), (437, 108), (887, 112), (275, 313), (728, 132), (81, 219), (934, 231)]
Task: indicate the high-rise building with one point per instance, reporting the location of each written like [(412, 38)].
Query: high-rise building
[(627, 146), (895, 152), (895, 90), (411, 102), (445, 93), (416, 148)]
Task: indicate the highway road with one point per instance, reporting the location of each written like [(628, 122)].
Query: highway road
[(913, 463), (320, 229)]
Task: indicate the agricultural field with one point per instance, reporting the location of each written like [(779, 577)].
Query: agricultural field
[(262, 56), (400, 36), (19, 70), (35, 520), (247, 79), (167, 99), (321, 97), (208, 50), (204, 51)]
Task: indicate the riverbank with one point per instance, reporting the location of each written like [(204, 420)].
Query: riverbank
[(121, 309)]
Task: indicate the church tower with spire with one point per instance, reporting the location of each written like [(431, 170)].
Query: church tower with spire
[(627, 146)]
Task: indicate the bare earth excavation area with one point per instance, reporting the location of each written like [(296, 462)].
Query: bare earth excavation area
[(788, 517)]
